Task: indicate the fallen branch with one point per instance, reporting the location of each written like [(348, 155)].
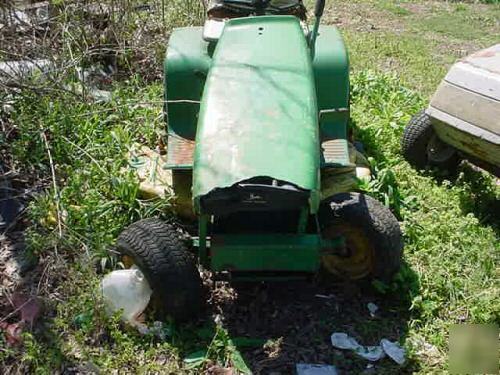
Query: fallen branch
[(54, 182)]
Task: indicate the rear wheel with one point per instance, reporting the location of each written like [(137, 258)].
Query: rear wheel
[(421, 146), (156, 248), (372, 235)]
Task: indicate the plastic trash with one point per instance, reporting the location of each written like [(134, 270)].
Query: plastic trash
[(128, 291), (372, 308), (371, 353), (342, 340), (424, 349), (325, 296), (311, 369), (11, 71), (394, 351)]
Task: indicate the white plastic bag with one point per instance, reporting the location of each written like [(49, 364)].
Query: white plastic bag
[(342, 340), (313, 369), (126, 290), (394, 351)]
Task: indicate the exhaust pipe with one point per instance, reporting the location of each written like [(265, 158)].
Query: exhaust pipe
[(318, 13)]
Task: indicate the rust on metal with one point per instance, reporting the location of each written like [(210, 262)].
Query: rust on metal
[(486, 59), (484, 53), (180, 151)]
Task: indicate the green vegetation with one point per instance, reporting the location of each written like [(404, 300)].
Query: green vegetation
[(394, 8), (416, 40), (453, 253), (450, 226)]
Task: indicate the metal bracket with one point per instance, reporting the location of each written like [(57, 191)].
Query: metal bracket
[(330, 111), (334, 246)]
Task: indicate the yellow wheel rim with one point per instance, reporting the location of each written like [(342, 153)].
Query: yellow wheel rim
[(127, 261), (359, 263)]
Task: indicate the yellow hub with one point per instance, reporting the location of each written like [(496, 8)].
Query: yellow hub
[(359, 262), (127, 261)]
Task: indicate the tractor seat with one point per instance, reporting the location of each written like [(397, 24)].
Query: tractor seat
[(243, 8), (221, 10)]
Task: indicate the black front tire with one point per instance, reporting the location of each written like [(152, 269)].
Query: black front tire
[(372, 234), (156, 248), (422, 148)]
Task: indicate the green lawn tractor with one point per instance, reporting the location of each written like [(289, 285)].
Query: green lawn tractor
[(257, 105)]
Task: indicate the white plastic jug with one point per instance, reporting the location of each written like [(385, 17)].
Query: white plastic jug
[(126, 290)]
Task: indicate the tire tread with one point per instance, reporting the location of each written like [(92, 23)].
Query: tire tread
[(376, 220), (159, 252), (416, 136)]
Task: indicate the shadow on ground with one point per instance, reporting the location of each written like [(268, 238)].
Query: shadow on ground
[(480, 195), (296, 319), (479, 192)]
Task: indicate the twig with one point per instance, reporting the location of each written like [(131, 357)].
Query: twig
[(133, 102), (16, 310), (54, 182), (14, 222), (41, 277), (86, 153)]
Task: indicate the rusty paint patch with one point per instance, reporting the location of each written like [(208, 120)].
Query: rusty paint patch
[(487, 59), (484, 53), (474, 147), (180, 151)]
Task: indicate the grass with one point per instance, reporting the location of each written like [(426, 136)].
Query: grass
[(463, 23), (406, 55), (450, 227), (416, 40), (394, 8), (449, 248), (88, 148)]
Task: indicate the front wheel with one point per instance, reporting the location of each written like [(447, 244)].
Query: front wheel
[(372, 236), (157, 250), (421, 146)]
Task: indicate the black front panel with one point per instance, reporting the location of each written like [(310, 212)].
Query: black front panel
[(258, 194)]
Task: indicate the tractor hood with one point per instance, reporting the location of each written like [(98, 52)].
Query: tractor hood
[(258, 121)]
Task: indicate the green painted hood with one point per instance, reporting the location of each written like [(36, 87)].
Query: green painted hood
[(258, 114)]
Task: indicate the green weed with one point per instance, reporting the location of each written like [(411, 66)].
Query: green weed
[(458, 25), (450, 251), (394, 8), (221, 350)]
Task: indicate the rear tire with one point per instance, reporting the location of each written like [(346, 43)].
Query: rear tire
[(372, 235), (421, 147), (156, 248)]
